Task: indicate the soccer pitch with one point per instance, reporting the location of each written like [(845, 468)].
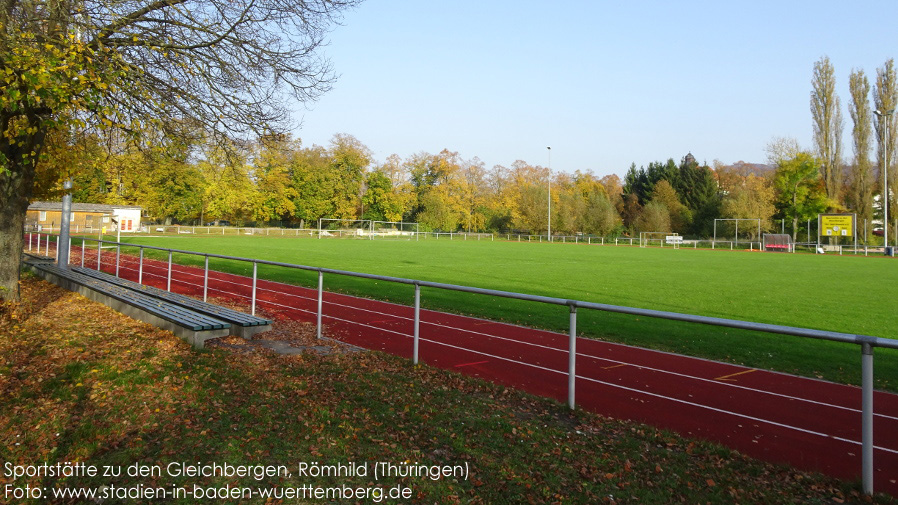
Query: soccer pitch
[(846, 294)]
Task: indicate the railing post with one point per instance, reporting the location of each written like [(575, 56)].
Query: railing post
[(572, 359), (118, 255), (48, 244), (867, 417), (168, 285), (82, 253), (320, 301), (140, 267), (69, 251), (255, 276), (99, 254), (417, 323), (206, 279)]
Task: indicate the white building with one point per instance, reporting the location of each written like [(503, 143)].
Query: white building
[(86, 217)]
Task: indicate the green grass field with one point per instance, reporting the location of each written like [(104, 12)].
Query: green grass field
[(846, 294)]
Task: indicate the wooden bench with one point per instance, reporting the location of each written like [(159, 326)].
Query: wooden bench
[(192, 326), (242, 324)]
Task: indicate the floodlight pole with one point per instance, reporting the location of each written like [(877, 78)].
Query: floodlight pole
[(885, 117), (549, 231)]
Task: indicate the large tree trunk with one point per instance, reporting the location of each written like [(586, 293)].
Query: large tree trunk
[(16, 186), (13, 204)]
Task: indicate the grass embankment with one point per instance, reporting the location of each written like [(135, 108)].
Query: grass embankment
[(846, 294), (79, 382)]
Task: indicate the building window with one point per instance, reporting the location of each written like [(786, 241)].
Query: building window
[(105, 219), (43, 215)]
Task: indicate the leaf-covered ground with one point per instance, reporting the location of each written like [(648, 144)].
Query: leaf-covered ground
[(80, 382)]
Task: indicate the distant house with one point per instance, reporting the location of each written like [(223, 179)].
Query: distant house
[(86, 217)]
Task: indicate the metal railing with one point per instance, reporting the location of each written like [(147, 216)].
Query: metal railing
[(866, 342)]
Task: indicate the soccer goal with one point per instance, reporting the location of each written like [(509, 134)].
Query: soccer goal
[(647, 238), (728, 231), (344, 228), (394, 230)]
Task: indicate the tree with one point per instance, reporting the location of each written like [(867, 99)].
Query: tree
[(349, 161), (600, 217), (473, 195), (752, 198), (801, 190), (273, 196), (826, 109), (655, 216), (861, 190), (143, 65), (228, 190), (885, 98), (629, 210), (381, 202), (780, 149), (680, 215), (309, 171)]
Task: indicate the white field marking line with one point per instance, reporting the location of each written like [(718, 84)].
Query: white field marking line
[(588, 356)]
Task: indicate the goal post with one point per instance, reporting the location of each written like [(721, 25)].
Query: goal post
[(394, 230), (344, 228), (750, 226), (648, 237)]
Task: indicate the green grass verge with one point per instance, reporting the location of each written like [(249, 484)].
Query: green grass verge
[(86, 384), (829, 292)]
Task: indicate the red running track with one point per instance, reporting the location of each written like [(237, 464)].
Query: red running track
[(809, 424)]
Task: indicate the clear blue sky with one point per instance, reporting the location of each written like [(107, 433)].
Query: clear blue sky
[(604, 83)]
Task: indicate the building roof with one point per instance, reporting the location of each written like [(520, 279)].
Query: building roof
[(80, 207)]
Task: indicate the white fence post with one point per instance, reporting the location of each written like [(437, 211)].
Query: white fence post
[(140, 266)]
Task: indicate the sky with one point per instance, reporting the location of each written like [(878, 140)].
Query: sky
[(605, 84)]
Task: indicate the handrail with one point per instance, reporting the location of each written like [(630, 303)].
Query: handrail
[(867, 342)]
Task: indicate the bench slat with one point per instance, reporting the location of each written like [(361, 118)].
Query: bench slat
[(231, 316), (172, 312)]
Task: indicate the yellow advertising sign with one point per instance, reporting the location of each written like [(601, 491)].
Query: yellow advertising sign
[(837, 225)]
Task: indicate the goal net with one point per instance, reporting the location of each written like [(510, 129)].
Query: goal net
[(736, 231), (394, 230), (647, 238), (344, 228)]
